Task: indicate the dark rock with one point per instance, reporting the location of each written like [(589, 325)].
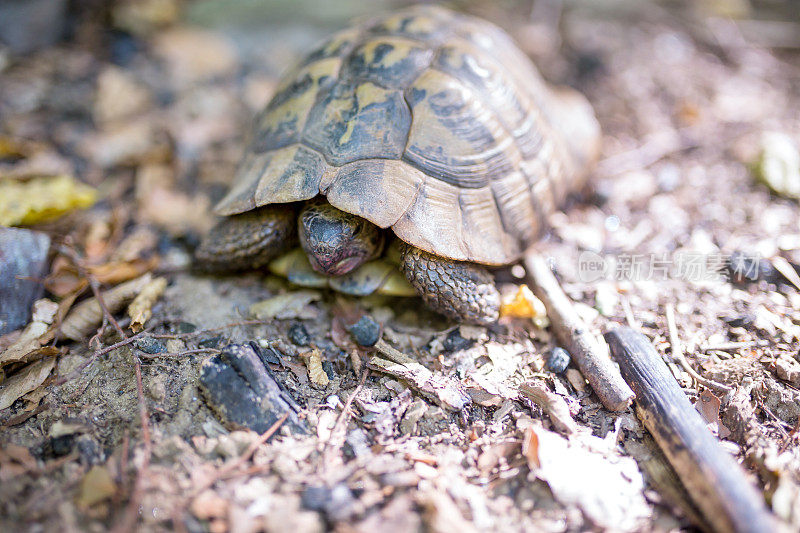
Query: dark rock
[(186, 327), (366, 331), (739, 321), (23, 260), (327, 366), (212, 342), (743, 268), (55, 447), (243, 392), (557, 360), (336, 503), (268, 356), (455, 342), (124, 47), (298, 334), (315, 498), (89, 451), (150, 345)]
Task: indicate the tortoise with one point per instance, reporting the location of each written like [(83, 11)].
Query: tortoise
[(425, 129)]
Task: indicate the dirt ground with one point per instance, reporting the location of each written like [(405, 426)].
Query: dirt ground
[(150, 103)]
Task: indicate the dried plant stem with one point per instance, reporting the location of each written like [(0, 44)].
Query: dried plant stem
[(588, 353), (677, 353)]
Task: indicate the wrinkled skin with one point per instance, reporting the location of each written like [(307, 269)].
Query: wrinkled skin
[(337, 242)]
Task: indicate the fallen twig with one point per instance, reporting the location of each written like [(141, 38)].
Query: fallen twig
[(196, 332), (716, 483), (435, 386), (341, 422), (677, 353), (97, 353), (587, 351), (730, 346)]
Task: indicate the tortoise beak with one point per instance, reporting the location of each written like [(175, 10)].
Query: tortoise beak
[(335, 266)]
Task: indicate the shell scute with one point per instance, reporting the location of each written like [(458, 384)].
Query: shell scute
[(392, 62), (358, 120)]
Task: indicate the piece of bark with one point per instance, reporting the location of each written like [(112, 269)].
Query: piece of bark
[(553, 404), (23, 259), (718, 486), (242, 390), (587, 351)]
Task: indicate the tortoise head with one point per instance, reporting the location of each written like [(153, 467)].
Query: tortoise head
[(334, 241)]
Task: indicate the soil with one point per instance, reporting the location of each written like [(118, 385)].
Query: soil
[(152, 108)]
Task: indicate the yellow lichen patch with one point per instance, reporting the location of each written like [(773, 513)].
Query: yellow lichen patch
[(523, 304), (41, 199)]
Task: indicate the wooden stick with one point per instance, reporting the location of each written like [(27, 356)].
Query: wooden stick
[(716, 483), (588, 353)]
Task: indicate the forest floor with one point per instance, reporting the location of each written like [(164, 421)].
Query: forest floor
[(151, 111)]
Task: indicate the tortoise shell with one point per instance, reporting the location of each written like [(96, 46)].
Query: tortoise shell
[(425, 121)]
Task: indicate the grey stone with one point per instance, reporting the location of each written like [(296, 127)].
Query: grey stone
[(23, 260)]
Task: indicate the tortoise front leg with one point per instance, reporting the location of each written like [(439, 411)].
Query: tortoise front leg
[(248, 241), (462, 291)]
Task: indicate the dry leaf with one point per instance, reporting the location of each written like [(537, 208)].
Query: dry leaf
[(552, 404), (289, 305), (523, 304), (437, 387), (530, 448), (42, 199), (119, 271), (708, 405), (583, 472), (28, 346), (87, 315), (119, 96), (140, 308), (317, 374), (24, 381), (97, 486)]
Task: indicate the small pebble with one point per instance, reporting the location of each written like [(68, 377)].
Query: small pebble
[(267, 354), (315, 498), (61, 445), (150, 345), (366, 331), (455, 342), (213, 342), (744, 268), (739, 321), (298, 334), (327, 366), (186, 327), (557, 360)]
